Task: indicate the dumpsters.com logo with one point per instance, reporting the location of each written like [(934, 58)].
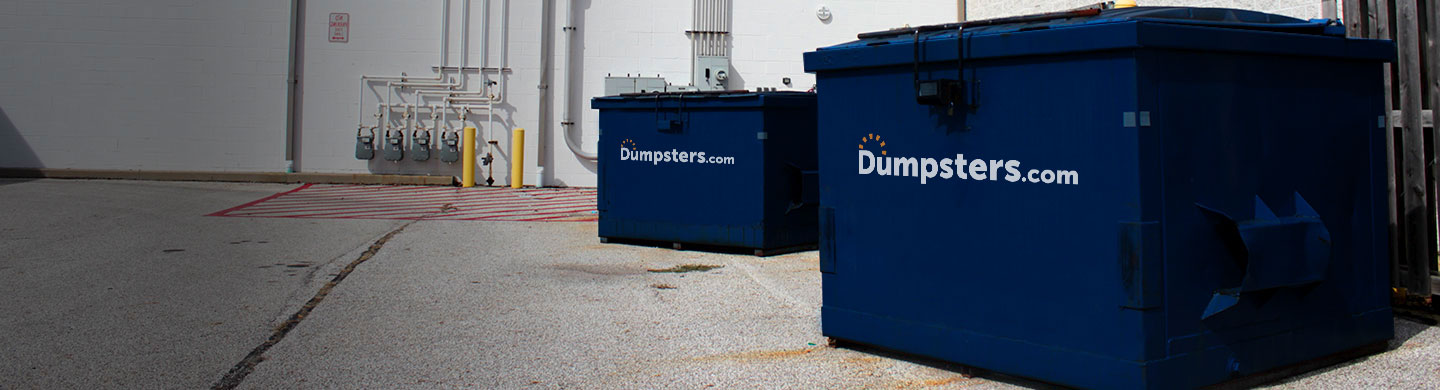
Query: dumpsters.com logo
[(630, 152), (927, 169)]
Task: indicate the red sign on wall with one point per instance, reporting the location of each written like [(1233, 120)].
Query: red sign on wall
[(339, 27)]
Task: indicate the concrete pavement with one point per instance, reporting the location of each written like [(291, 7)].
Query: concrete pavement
[(126, 284), (123, 284)]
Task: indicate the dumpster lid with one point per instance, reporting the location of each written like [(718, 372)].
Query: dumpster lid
[(1091, 30), (705, 99), (1208, 17)]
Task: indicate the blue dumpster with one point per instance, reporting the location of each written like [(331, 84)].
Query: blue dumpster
[(725, 169), (1142, 198)]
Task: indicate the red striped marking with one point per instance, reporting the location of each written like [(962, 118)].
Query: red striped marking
[(427, 203)]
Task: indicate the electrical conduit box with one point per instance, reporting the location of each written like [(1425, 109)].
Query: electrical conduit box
[(1140, 198), (716, 169)]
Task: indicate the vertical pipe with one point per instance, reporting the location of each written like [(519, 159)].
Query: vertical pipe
[(467, 157), (544, 113), (517, 158), (292, 81), (960, 10), (464, 36), (444, 35), (504, 39), (567, 124), (485, 41)]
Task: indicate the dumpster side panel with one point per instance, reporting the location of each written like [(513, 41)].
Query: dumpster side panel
[(973, 262), (1275, 227)]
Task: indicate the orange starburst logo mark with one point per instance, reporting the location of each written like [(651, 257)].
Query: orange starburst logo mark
[(874, 141), (627, 144)]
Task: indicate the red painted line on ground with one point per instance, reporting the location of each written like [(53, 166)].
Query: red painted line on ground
[(462, 204), (473, 210), (287, 202), (437, 202), (415, 210), (365, 188), (222, 213), (417, 203), (527, 212), (560, 218), (386, 196), (455, 202), (369, 190)]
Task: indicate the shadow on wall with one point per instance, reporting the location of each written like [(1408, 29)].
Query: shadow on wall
[(16, 157), (736, 80), (579, 102)]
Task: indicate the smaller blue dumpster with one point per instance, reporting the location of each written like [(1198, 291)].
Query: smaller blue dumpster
[(713, 169)]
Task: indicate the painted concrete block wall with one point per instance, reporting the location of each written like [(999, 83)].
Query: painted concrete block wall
[(767, 44), (613, 37), (388, 38), (164, 85), (987, 9), (143, 84)]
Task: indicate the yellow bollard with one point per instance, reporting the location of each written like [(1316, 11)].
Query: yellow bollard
[(517, 158), (467, 170)]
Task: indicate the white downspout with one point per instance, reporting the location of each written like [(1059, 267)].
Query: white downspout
[(567, 124)]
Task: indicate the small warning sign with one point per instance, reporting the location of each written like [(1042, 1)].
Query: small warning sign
[(339, 27)]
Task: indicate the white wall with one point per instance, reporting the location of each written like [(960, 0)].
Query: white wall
[(614, 37), (167, 85), (157, 85), (388, 38)]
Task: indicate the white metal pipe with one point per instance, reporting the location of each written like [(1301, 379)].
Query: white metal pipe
[(465, 35), (490, 121), (407, 84), (439, 83), (504, 36), (485, 35), (566, 122), (389, 90), (436, 116), (444, 33)]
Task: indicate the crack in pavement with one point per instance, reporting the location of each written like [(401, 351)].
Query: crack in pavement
[(247, 365)]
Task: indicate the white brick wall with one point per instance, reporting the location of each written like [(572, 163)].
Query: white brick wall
[(159, 85)]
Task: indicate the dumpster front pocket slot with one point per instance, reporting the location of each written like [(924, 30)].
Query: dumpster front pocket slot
[(1275, 252)]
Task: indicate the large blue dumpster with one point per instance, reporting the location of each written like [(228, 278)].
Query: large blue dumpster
[(1155, 198), (721, 169)]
